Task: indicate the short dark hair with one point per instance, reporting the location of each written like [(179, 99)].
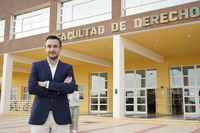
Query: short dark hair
[(53, 37)]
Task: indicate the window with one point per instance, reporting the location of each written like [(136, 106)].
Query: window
[(80, 12), (80, 89), (2, 27), (138, 6), (26, 95), (13, 93), (98, 92), (31, 23)]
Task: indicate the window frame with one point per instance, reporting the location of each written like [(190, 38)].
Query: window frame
[(12, 26), (14, 87), (77, 84), (29, 96), (59, 23), (2, 19)]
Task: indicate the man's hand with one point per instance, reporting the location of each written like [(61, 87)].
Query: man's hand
[(40, 83), (68, 80)]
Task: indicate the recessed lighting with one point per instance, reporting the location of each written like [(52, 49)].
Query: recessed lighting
[(157, 40), (131, 55), (109, 47), (90, 49), (174, 50), (189, 36)]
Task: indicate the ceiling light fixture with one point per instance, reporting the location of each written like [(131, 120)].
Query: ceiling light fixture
[(157, 40), (189, 36), (174, 50), (109, 47), (90, 49), (131, 55)]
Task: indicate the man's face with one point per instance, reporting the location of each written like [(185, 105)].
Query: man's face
[(52, 48)]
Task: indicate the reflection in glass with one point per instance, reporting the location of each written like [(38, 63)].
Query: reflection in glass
[(105, 17), (81, 95), (189, 100), (148, 1), (168, 3), (103, 93), (134, 10), (103, 100), (94, 107), (91, 19), (94, 85), (140, 83), (129, 83), (129, 100), (130, 3), (189, 81), (198, 80), (141, 100), (94, 93), (188, 70), (198, 69), (94, 76), (150, 7), (151, 73), (103, 85), (141, 93), (103, 76), (129, 74), (129, 107), (141, 108), (151, 82), (129, 93), (80, 87), (190, 109), (176, 81), (94, 100), (103, 107), (175, 71), (140, 73), (78, 22), (189, 92)]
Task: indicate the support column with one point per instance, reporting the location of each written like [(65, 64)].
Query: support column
[(6, 83), (118, 77)]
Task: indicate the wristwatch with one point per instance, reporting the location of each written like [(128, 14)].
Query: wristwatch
[(45, 83)]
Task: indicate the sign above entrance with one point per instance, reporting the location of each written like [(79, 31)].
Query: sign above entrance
[(146, 21)]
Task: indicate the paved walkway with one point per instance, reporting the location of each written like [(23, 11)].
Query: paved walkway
[(18, 124)]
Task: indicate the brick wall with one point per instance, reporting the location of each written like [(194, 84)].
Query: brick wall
[(11, 6)]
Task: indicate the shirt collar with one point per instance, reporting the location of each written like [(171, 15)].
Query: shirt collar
[(50, 64)]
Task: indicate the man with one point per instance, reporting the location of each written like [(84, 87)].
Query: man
[(50, 81)]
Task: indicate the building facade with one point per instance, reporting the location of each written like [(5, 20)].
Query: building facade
[(129, 57)]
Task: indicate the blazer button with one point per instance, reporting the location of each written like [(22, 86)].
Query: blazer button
[(51, 99)]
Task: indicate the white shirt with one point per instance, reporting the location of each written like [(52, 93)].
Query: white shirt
[(53, 70)]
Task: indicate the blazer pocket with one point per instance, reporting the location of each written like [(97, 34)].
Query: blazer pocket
[(64, 101)]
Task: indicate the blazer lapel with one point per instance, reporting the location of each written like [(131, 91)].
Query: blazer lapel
[(58, 70), (47, 68)]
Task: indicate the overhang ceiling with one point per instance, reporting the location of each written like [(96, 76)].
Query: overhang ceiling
[(170, 39)]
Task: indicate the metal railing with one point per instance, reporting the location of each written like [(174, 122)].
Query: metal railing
[(20, 106)]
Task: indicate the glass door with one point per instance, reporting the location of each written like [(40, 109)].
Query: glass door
[(168, 101), (98, 92), (151, 101), (177, 100), (141, 101), (189, 100)]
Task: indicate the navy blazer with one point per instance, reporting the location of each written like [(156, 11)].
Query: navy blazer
[(54, 97)]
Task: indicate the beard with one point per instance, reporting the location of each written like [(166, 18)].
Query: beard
[(53, 57)]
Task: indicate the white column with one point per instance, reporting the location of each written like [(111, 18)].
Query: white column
[(6, 83), (118, 77)]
